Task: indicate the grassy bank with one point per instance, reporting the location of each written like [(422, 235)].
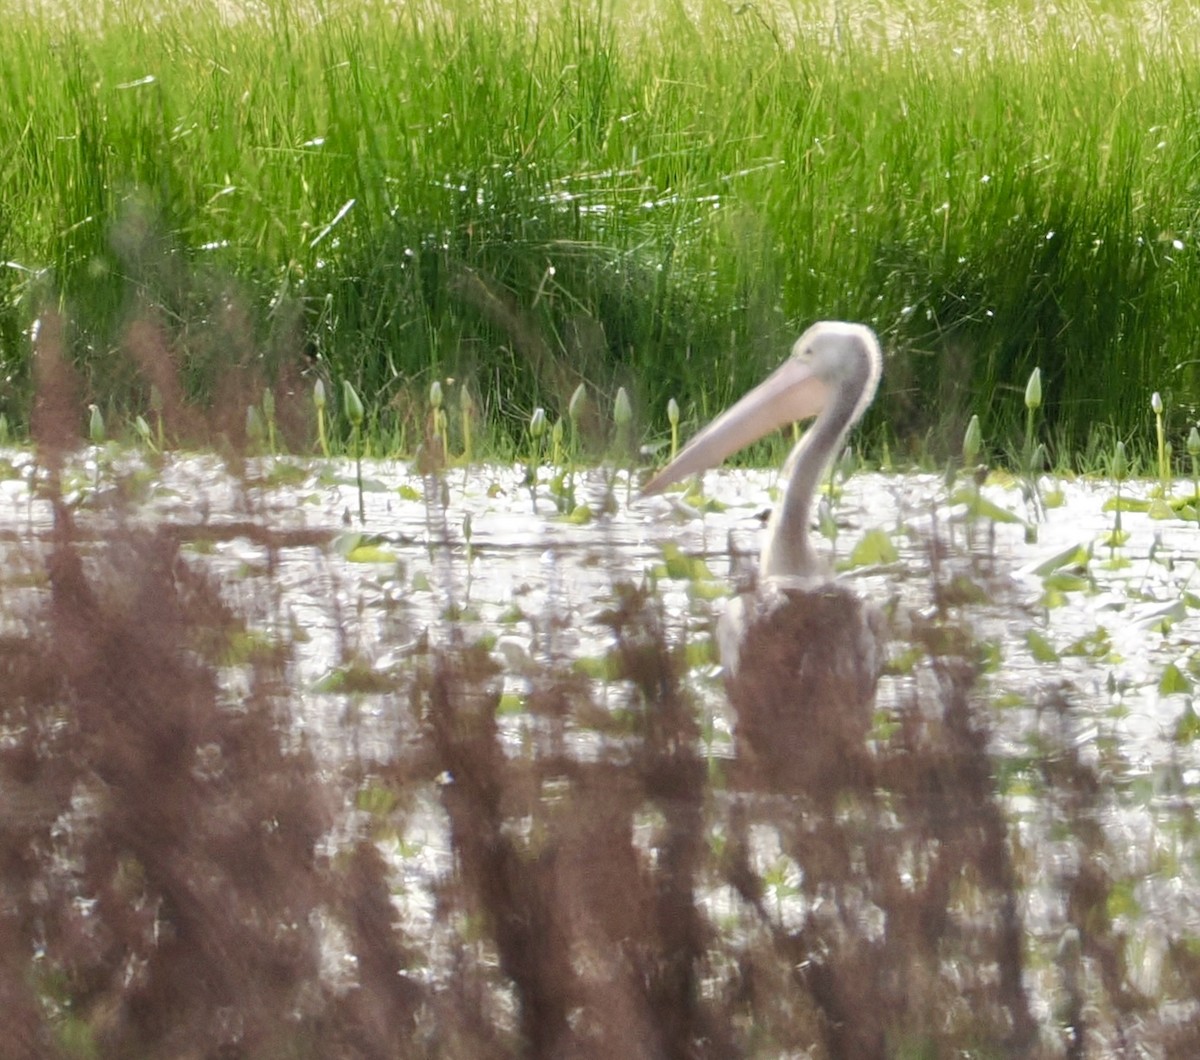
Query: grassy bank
[(524, 196)]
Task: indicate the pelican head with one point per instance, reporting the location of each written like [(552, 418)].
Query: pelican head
[(832, 373)]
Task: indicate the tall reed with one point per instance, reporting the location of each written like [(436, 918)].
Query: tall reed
[(527, 196)]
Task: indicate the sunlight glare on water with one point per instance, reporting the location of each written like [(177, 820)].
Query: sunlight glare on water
[(1109, 622), (1058, 613)]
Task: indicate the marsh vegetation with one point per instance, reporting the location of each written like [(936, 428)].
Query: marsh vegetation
[(354, 704), (523, 196), (456, 777)]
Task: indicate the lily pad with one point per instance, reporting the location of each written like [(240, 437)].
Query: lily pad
[(1173, 680), (1040, 647), (979, 507), (371, 554), (876, 548)]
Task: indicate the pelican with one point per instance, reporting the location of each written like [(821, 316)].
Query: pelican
[(802, 654)]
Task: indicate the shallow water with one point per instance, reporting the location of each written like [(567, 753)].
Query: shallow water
[(1115, 627), (1112, 631)]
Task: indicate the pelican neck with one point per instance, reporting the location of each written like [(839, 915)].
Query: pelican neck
[(788, 553)]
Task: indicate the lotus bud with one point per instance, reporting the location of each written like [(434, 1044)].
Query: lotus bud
[(1120, 465), (578, 400), (972, 441), (96, 425), (319, 394), (435, 395), (537, 423), (1033, 390), (351, 403), (622, 408)]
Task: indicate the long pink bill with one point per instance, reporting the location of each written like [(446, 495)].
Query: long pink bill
[(792, 392)]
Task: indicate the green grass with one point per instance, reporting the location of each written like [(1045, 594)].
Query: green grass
[(655, 196)]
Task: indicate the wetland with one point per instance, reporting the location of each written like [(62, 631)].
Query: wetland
[(500, 706)]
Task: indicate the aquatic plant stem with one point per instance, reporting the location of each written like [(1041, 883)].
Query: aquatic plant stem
[(353, 407), (1156, 404), (319, 402)]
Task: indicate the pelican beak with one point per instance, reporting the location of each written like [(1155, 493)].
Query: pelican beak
[(793, 392)]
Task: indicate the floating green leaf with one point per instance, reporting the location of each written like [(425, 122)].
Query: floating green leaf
[(990, 655), (701, 652), (1040, 647), (1094, 645), (376, 800), (1009, 700), (1126, 504), (979, 507), (1074, 555), (282, 473), (1066, 582), (962, 590), (249, 645), (510, 703), (511, 615), (1122, 900), (597, 667), (356, 677), (1052, 598), (904, 661), (1187, 728), (701, 503), (1173, 680), (371, 554), (678, 565), (675, 564), (706, 589), (875, 548)]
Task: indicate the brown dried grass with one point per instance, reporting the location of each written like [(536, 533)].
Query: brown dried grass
[(168, 882)]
